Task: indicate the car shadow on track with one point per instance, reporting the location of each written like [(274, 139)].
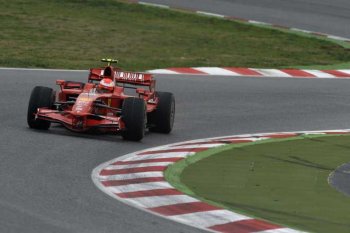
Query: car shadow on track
[(92, 135)]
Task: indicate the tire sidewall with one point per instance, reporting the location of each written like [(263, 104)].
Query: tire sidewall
[(41, 97)]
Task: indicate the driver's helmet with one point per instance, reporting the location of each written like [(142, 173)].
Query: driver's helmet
[(106, 85)]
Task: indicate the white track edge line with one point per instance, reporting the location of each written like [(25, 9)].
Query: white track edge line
[(254, 22), (41, 69), (154, 5)]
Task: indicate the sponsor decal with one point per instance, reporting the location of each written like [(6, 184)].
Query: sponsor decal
[(136, 77), (83, 101), (87, 97)]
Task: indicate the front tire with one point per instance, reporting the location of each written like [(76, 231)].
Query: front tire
[(41, 97), (134, 117), (162, 119)]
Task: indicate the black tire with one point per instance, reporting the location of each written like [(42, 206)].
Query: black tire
[(134, 117), (162, 119), (41, 97)]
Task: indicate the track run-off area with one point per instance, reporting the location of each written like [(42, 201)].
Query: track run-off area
[(45, 176)]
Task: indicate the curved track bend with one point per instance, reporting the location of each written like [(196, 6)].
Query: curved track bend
[(45, 176)]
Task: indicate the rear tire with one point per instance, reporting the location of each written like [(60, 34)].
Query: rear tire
[(134, 116), (162, 119), (41, 97)]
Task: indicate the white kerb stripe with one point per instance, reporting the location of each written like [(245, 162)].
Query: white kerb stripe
[(210, 14), (209, 145), (140, 187), (166, 155), (160, 156), (156, 201), (131, 176), (326, 131), (162, 71), (337, 38), (267, 135), (253, 139), (126, 166), (272, 73), (209, 218), (216, 71), (155, 156), (258, 22), (154, 4), (345, 71), (314, 132), (281, 230), (320, 74), (300, 30)]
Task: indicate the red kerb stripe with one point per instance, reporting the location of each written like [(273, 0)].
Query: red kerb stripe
[(147, 161), (109, 183), (245, 226), (337, 73), (132, 170), (183, 208), (149, 193), (173, 150), (236, 141), (280, 26), (235, 138), (298, 73), (337, 132), (243, 71), (186, 71), (281, 135)]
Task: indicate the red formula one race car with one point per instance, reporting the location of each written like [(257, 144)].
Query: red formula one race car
[(102, 104)]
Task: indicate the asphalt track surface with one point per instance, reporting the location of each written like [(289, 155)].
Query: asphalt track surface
[(327, 16), (340, 178), (45, 175)]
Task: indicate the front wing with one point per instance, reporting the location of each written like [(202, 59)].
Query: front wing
[(82, 122)]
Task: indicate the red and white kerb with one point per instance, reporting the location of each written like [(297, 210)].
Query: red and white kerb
[(137, 179)]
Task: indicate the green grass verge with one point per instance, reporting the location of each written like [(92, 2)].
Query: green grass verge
[(75, 34), (339, 66), (346, 45), (283, 181)]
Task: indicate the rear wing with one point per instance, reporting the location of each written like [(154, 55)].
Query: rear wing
[(136, 78), (119, 76)]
